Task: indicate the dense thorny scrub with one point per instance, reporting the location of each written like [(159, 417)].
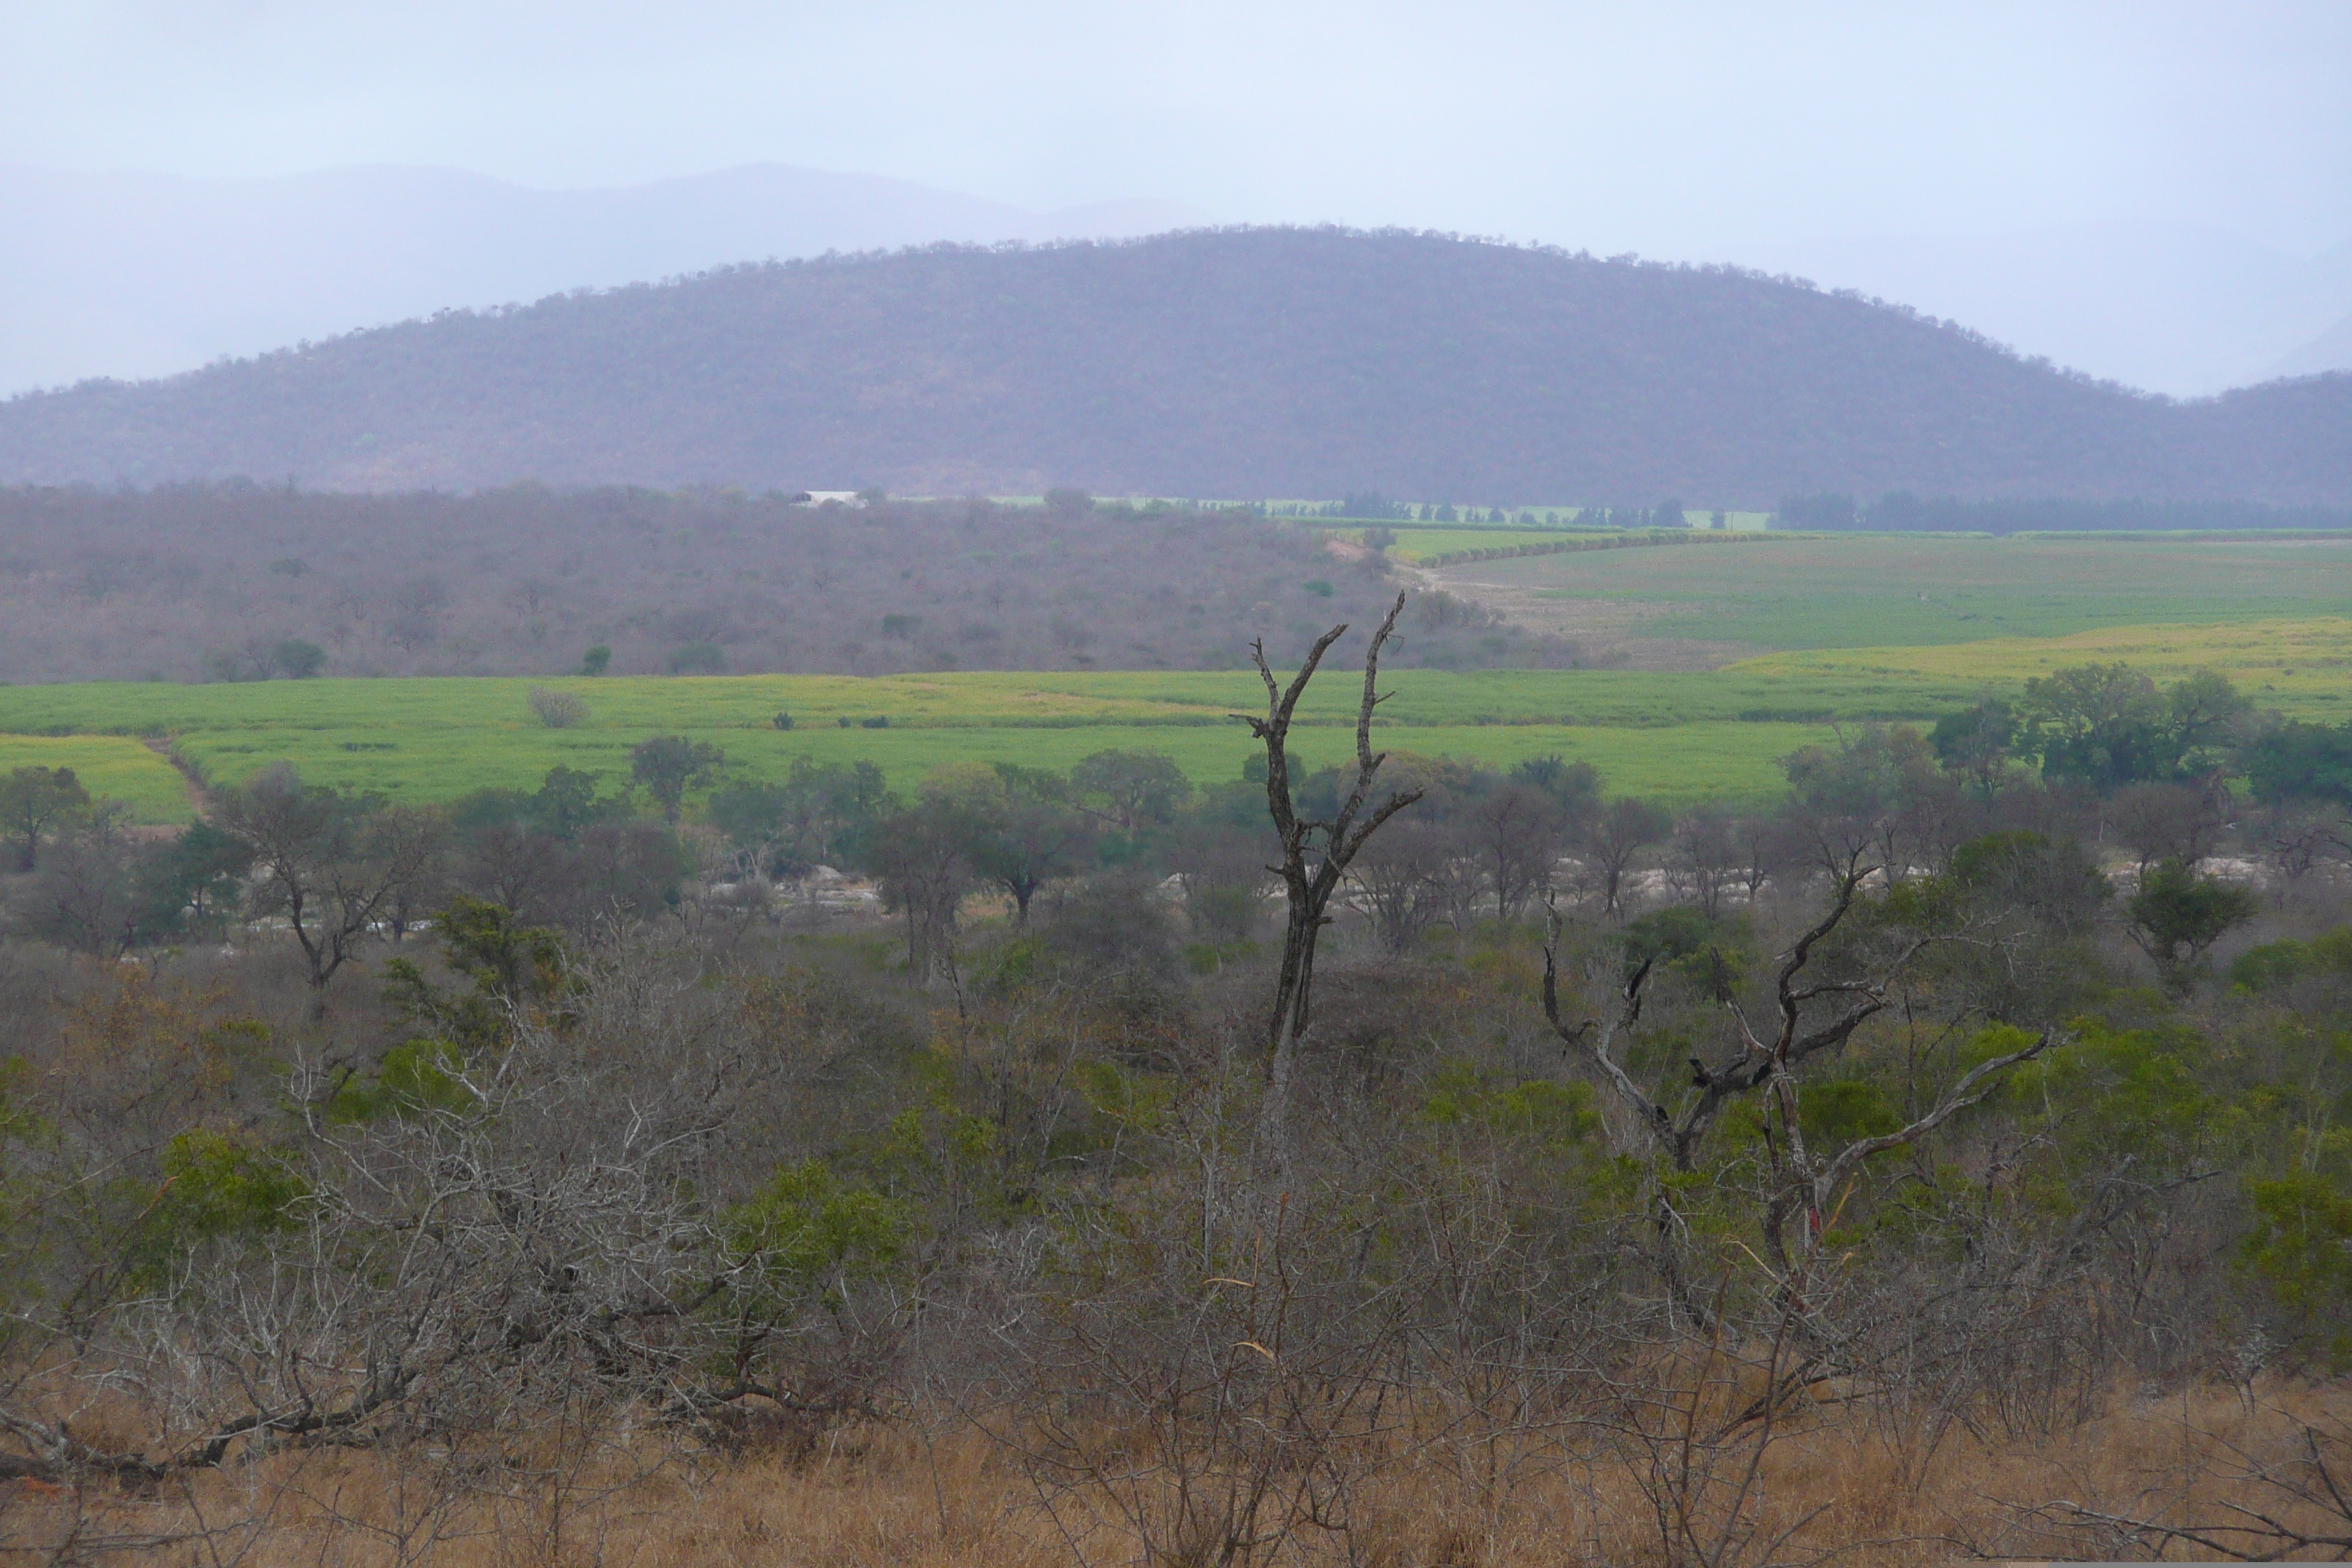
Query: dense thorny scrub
[(599, 1218)]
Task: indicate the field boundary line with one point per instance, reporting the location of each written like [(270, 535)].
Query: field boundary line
[(200, 795), (1577, 546)]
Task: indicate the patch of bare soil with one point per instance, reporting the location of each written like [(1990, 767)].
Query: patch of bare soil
[(1608, 629)]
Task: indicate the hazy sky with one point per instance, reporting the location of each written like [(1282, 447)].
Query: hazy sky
[(1676, 130)]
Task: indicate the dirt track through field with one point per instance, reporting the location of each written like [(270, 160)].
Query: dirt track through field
[(199, 796)]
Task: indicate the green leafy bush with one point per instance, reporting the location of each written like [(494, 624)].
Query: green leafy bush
[(214, 1187), (2301, 1248), (806, 1229)]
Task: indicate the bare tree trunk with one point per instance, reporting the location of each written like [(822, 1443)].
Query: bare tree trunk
[(1309, 883)]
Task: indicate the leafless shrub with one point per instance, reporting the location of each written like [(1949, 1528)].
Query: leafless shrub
[(557, 709), (2170, 821), (2301, 840)]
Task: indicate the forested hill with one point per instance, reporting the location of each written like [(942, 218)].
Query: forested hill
[(1234, 363)]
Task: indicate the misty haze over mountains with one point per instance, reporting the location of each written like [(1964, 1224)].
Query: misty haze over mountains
[(2178, 307), (136, 275)]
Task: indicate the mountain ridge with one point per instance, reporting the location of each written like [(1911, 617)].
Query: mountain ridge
[(1236, 362)]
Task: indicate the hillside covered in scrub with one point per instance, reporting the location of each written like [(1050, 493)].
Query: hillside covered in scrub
[(242, 582), (1275, 362)]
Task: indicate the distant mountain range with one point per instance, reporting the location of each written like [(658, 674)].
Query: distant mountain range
[(1242, 362), (134, 275)]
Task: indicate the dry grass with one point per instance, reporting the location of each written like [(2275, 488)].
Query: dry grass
[(1847, 1484)]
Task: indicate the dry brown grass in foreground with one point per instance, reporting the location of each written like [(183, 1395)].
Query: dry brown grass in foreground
[(2235, 1469)]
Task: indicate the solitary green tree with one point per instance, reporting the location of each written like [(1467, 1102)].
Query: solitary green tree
[(37, 800), (2177, 915), (1127, 789), (1014, 826), (1613, 836), (2107, 724), (669, 765), (193, 883), (296, 659)]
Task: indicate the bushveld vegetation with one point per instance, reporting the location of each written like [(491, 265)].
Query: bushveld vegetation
[(240, 582), (1946, 1156)]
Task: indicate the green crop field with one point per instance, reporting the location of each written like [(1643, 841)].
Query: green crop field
[(1679, 736), (361, 713), (424, 739), (1890, 590), (1866, 627)]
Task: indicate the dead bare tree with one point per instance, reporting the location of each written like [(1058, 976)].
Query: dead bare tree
[(1758, 1064), (1315, 858), (1800, 1181), (1807, 1182)]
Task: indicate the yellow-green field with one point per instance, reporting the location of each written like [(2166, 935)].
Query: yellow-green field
[(2303, 668), (434, 740), (1678, 736), (113, 766)]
